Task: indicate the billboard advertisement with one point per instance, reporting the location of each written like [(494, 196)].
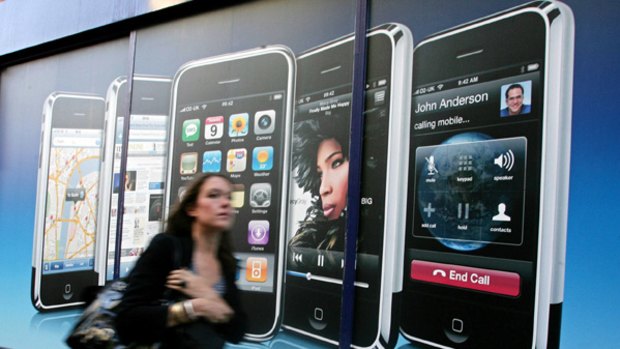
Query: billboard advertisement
[(477, 175)]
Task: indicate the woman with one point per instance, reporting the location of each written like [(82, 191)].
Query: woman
[(321, 164), (192, 263)]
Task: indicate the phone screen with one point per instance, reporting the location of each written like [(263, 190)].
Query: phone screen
[(145, 173), (250, 158), (231, 118), (318, 191), (67, 200), (473, 212), (72, 187)]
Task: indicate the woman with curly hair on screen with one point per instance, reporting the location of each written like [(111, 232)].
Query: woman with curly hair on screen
[(321, 166)]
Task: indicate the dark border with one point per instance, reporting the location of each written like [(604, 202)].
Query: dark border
[(347, 306)]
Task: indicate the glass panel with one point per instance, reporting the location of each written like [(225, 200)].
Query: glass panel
[(233, 109), (58, 208)]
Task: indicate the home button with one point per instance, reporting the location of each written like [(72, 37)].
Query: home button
[(317, 319), (68, 292), (457, 329)]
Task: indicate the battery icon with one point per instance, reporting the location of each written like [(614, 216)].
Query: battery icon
[(533, 66)]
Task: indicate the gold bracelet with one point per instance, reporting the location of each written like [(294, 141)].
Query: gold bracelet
[(179, 316)]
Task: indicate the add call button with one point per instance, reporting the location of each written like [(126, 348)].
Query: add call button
[(485, 280)]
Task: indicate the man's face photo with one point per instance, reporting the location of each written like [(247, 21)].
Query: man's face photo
[(514, 100), (517, 98)]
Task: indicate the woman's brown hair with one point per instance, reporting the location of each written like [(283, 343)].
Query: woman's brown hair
[(179, 221)]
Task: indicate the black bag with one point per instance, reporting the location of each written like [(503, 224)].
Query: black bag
[(95, 329)]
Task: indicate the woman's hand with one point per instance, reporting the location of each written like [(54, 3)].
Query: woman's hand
[(188, 283), (205, 301), (214, 308)]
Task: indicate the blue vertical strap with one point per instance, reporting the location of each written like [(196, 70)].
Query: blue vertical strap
[(123, 169), (355, 175)]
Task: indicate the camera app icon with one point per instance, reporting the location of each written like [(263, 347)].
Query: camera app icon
[(260, 195), (264, 122), (258, 232)]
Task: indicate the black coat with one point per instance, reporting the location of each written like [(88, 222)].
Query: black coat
[(142, 317)]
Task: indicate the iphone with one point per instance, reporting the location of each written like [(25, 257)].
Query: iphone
[(66, 204), (486, 214)]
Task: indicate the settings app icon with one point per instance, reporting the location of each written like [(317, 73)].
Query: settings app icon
[(260, 195)]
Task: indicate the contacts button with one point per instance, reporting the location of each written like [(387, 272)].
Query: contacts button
[(485, 280)]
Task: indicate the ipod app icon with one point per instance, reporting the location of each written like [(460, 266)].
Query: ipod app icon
[(256, 269)]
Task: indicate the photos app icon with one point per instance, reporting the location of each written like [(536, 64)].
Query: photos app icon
[(238, 125)]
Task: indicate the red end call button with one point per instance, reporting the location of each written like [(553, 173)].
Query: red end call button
[(492, 281)]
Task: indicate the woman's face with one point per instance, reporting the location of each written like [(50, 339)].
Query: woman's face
[(212, 209), (333, 168)]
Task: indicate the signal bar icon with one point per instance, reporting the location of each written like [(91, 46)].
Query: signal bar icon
[(506, 160)]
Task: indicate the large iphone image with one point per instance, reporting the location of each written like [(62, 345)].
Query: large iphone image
[(66, 211), (318, 191), (489, 131), (232, 115), (144, 176)]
